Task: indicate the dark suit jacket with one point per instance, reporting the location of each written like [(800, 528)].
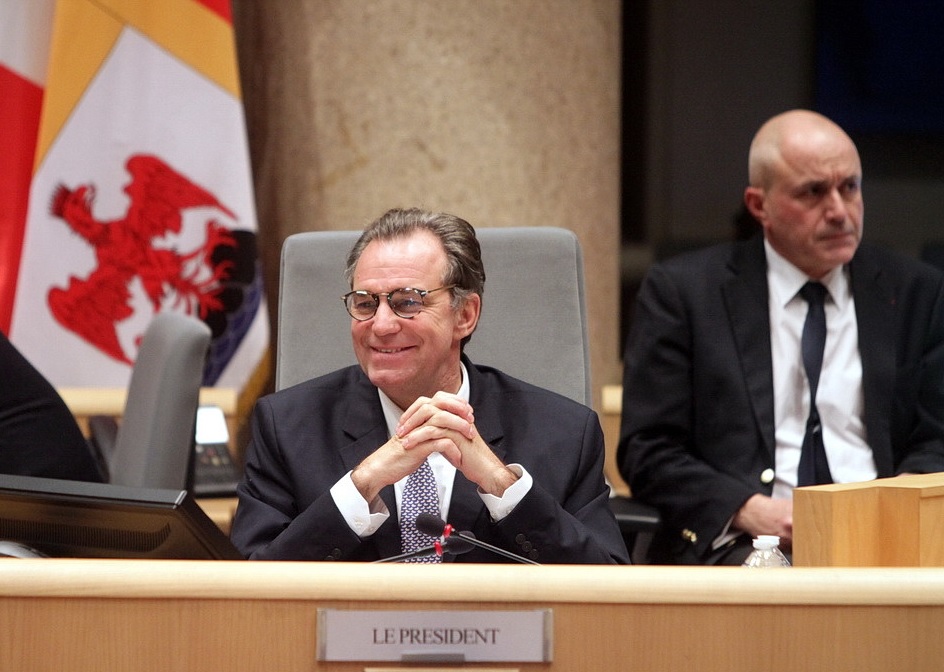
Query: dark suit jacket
[(698, 409), (306, 437), (38, 435)]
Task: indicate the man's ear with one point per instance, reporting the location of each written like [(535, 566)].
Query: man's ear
[(468, 315), (754, 202)]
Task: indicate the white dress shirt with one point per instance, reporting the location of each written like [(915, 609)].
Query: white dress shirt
[(364, 518), (839, 398)]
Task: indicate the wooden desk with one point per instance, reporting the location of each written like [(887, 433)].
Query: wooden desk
[(610, 414), (888, 522), (220, 510), (184, 615)]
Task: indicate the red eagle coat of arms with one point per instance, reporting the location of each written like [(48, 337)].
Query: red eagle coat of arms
[(191, 281)]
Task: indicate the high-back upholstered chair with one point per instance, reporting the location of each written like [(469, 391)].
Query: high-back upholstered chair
[(152, 445), (533, 324)]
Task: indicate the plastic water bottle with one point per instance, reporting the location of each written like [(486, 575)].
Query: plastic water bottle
[(766, 553)]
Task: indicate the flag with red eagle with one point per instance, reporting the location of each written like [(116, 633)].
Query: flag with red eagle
[(141, 196)]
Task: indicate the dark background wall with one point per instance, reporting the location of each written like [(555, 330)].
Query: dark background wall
[(700, 76)]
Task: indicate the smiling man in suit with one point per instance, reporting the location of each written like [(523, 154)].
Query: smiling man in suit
[(338, 466), (741, 384)]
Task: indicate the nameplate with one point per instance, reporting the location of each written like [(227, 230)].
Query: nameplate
[(436, 636)]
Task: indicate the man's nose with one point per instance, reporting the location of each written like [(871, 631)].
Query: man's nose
[(385, 320), (836, 207)]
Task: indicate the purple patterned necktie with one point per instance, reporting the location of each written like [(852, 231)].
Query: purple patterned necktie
[(420, 495)]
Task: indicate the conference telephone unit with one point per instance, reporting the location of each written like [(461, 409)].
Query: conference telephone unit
[(215, 472)]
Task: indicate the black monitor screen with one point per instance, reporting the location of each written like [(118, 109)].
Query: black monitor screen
[(73, 519)]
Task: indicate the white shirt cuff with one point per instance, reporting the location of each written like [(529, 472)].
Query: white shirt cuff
[(499, 507), (727, 534), (361, 517)]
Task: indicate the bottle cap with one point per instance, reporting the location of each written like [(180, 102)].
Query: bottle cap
[(766, 541)]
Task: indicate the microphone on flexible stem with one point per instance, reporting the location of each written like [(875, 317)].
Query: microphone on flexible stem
[(454, 545), (434, 526)]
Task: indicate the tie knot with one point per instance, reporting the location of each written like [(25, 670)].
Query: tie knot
[(814, 293)]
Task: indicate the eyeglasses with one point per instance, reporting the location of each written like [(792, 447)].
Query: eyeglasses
[(406, 302)]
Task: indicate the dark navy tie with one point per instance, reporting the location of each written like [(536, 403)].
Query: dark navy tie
[(420, 495), (814, 468)]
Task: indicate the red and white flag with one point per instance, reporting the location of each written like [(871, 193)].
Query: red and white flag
[(141, 198), (25, 28)]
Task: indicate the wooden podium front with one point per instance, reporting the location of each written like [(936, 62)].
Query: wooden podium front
[(82, 615), (889, 522)]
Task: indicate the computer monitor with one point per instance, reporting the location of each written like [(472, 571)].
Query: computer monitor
[(75, 519)]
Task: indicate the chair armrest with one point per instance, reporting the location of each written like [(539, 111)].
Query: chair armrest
[(634, 516), (638, 524)]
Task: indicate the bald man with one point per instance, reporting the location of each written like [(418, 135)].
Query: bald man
[(718, 425)]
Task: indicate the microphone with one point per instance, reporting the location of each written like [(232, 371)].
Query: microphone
[(434, 526), (454, 545)]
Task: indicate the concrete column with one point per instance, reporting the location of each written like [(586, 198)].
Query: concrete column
[(504, 112)]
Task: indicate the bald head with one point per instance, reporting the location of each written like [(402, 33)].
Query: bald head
[(805, 190), (791, 134)]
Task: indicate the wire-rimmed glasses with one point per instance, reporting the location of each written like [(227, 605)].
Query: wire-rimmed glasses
[(406, 302)]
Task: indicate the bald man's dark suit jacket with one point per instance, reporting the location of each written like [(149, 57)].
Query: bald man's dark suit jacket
[(697, 431), (308, 436)]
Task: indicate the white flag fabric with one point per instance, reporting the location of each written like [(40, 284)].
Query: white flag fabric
[(141, 200)]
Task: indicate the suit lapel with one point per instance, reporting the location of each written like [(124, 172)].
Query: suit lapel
[(363, 424), (746, 300), (877, 318), (365, 427)]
